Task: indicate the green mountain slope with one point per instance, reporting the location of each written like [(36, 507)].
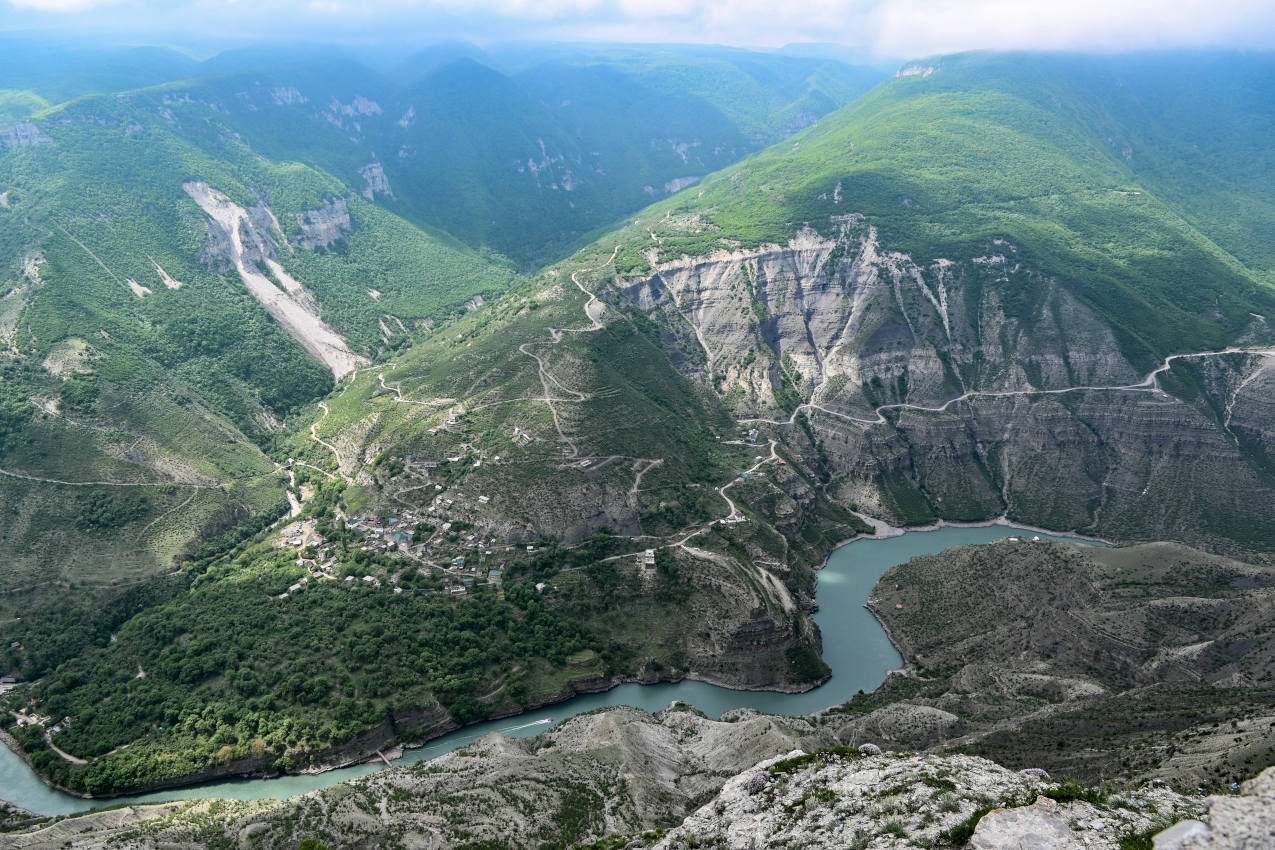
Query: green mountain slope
[(1016, 149), (524, 163), (60, 69), (960, 297), (135, 353)]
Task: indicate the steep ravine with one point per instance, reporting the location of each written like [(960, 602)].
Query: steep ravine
[(245, 241)]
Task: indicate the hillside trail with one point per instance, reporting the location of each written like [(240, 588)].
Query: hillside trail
[(764, 576), (26, 477), (398, 395), (48, 739), (730, 503), (314, 435), (593, 310), (1150, 384)]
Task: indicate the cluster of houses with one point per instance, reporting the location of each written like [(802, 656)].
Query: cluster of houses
[(433, 540)]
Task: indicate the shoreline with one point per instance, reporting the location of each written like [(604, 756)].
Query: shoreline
[(885, 531), (397, 751), (394, 752)]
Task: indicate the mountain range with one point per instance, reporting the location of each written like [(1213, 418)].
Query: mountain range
[(345, 406)]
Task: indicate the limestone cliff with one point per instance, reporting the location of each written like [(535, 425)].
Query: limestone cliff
[(971, 388)]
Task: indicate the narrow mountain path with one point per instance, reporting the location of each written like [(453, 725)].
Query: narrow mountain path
[(593, 310), (26, 477), (398, 395), (48, 739), (730, 503), (651, 463), (1148, 384), (138, 537), (314, 435)]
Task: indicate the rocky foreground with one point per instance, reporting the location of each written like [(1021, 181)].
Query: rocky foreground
[(848, 800), (676, 780)]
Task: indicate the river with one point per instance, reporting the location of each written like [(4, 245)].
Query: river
[(854, 646)]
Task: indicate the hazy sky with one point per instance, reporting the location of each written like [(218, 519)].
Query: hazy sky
[(877, 28)]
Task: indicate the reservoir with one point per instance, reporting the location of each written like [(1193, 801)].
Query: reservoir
[(854, 646)]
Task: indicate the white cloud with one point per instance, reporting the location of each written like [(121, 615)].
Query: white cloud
[(895, 28), (916, 27), (60, 6)]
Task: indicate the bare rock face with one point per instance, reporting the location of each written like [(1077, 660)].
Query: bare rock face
[(245, 241), (375, 181), (840, 799), (325, 226), (1242, 822), (25, 134), (850, 325), (1041, 826), (744, 782)]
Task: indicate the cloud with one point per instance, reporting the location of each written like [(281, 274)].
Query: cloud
[(59, 6), (893, 28), (919, 27)]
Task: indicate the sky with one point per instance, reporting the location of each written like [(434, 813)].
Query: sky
[(869, 28)]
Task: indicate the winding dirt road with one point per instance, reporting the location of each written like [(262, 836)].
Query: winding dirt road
[(1148, 384)]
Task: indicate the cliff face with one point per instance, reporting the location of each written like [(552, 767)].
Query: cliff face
[(967, 389), (851, 325)]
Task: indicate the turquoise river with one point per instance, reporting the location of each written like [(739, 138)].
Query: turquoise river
[(854, 646)]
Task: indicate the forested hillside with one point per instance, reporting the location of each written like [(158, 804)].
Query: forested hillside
[(139, 357)]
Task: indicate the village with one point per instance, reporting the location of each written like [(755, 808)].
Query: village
[(439, 545)]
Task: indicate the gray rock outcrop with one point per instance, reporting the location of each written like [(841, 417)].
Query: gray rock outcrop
[(1244, 821), (323, 227)]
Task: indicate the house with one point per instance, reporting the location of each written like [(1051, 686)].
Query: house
[(648, 559), (482, 500), (752, 435), (429, 464), (8, 680)]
